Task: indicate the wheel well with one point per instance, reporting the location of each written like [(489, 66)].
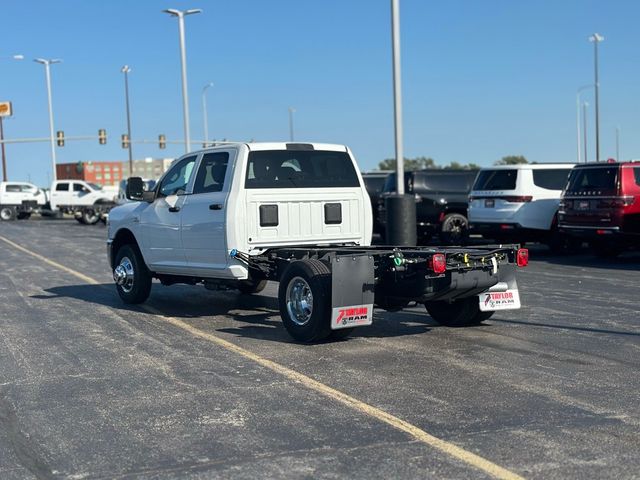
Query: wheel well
[(461, 211), (123, 237)]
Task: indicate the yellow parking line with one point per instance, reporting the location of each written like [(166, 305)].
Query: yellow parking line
[(353, 403)]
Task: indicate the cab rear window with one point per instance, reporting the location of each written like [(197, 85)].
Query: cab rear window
[(300, 169), (502, 179)]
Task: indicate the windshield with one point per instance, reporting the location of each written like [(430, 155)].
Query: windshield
[(593, 181), (95, 186), (499, 179), (300, 169)]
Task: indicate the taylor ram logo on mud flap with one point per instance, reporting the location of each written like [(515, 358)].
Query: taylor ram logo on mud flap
[(352, 316), (499, 300)]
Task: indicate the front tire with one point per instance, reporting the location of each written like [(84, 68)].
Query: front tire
[(459, 313), (454, 229), (132, 277), (304, 296), (7, 214)]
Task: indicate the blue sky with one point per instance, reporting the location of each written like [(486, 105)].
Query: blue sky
[(480, 79)]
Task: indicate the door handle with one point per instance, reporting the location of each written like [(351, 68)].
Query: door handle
[(215, 206), (174, 209)]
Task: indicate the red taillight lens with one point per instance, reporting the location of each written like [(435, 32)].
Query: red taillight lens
[(617, 202), (520, 199), (438, 263), (522, 257)]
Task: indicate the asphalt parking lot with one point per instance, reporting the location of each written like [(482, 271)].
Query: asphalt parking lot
[(207, 384)]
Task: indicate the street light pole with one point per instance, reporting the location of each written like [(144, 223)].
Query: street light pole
[(126, 69), (47, 65), (618, 144), (291, 112), (204, 113), (584, 129), (580, 90), (183, 60), (4, 157), (597, 38)]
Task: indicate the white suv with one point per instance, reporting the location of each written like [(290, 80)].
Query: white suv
[(519, 202)]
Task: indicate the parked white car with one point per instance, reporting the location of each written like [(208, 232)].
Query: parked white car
[(88, 202), (519, 202), (19, 200)]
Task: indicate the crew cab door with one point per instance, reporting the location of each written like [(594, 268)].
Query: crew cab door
[(204, 212), (160, 220), (60, 194)]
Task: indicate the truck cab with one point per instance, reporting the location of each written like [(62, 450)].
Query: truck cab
[(248, 197), (76, 193)]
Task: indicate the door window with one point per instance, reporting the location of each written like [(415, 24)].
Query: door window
[(13, 188), (62, 187), (78, 187), (177, 178), (636, 174), (211, 173)]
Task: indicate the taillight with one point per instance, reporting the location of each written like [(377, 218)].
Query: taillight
[(522, 257), (438, 263), (518, 199), (617, 202), (566, 204)]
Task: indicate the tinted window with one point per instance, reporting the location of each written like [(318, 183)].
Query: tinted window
[(552, 179), (78, 187), (455, 182), (211, 173), (62, 187), (496, 180), (13, 188), (636, 174), (390, 182), (599, 180), (374, 184), (300, 169), (177, 178)]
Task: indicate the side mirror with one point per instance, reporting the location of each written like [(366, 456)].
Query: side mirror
[(135, 189)]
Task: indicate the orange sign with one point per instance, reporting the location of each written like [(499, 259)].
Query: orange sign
[(5, 109)]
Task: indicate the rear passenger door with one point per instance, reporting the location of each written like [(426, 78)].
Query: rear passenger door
[(204, 212)]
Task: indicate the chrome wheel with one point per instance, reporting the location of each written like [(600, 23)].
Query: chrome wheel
[(123, 275), (299, 301)]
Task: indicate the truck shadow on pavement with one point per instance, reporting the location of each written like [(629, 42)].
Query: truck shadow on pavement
[(251, 316)]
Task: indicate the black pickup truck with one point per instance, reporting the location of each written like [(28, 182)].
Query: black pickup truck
[(441, 202)]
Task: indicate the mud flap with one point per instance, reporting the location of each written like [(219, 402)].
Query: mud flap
[(352, 291)]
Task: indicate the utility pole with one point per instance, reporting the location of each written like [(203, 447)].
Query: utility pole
[(596, 39)]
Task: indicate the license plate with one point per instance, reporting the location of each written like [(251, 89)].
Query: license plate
[(353, 316), (491, 301), (582, 205), (490, 203)]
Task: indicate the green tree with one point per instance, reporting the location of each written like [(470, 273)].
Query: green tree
[(417, 163), (511, 160)]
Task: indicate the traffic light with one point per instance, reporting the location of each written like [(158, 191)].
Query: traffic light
[(162, 141), (102, 136), (125, 140), (60, 138)]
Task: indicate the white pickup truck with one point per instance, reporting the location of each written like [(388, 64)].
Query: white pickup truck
[(237, 215), (88, 202), (19, 200)]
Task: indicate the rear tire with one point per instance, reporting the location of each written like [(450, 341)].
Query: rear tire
[(602, 250), (454, 229), (250, 286), (7, 214), (304, 296), (90, 217), (133, 279), (459, 313)]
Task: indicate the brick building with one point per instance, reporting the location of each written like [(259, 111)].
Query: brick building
[(101, 173)]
